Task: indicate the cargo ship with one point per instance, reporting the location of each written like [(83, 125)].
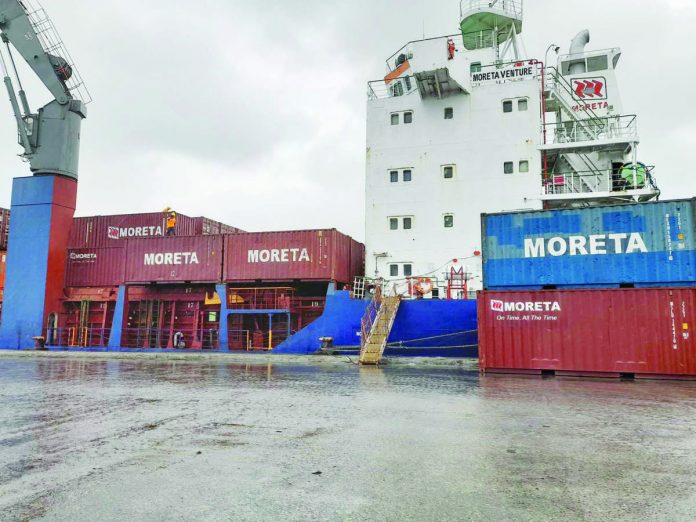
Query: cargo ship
[(464, 125)]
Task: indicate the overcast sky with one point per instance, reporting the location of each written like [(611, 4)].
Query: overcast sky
[(253, 113)]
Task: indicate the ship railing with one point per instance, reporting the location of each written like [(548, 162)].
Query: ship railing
[(597, 181), (407, 48), (370, 315), (180, 338), (556, 83), (77, 337), (360, 284), (592, 130), (239, 340), (311, 304), (407, 84), (402, 86), (511, 8), (272, 298)]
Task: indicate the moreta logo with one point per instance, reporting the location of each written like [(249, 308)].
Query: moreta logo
[(497, 306), (78, 256), (525, 306), (590, 89), (118, 232)]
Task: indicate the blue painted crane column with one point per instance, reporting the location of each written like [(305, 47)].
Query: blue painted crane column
[(42, 211)]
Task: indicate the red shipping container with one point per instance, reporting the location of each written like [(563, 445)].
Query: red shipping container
[(95, 266), (4, 228), (3, 265), (306, 255), (209, 227), (108, 231), (357, 259), (174, 259), (646, 332)]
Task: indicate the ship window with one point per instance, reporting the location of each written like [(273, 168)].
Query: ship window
[(522, 104), (393, 223), (395, 118), (508, 167), (449, 113), (408, 222), (393, 270), (408, 117), (398, 89), (507, 106), (407, 175), (394, 176), (408, 269), (449, 221), (524, 166), (597, 63), (448, 171), (475, 67)]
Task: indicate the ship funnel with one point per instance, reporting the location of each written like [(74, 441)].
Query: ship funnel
[(577, 46)]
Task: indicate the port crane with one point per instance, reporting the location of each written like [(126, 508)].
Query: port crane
[(50, 137), (43, 205)]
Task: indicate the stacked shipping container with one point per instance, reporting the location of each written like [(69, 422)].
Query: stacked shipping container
[(108, 251), (306, 256), (612, 324), (192, 259), (171, 281), (106, 231), (647, 244)]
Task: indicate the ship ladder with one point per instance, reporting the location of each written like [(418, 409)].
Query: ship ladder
[(373, 344)]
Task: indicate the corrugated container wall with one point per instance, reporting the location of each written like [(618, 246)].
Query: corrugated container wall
[(209, 227), (357, 259), (4, 228), (107, 231), (639, 331), (641, 244), (96, 266), (174, 259), (3, 266), (306, 255)]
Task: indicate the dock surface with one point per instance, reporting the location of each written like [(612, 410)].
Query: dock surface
[(136, 437)]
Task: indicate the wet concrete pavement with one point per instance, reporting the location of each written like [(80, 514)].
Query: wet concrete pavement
[(99, 438)]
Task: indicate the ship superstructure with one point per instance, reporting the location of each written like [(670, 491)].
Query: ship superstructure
[(466, 124)]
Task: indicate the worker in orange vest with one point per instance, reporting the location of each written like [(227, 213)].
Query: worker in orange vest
[(171, 224)]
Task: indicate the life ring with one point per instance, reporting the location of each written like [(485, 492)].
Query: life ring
[(424, 285)]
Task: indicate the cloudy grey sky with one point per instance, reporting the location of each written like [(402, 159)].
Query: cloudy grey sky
[(253, 112)]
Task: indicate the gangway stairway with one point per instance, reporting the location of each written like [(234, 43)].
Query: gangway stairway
[(376, 327)]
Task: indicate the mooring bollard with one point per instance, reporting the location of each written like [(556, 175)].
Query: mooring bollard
[(39, 342)]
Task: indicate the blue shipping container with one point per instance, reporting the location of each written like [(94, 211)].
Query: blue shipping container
[(641, 244)]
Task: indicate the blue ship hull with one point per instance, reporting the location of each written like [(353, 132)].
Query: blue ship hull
[(427, 328)]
